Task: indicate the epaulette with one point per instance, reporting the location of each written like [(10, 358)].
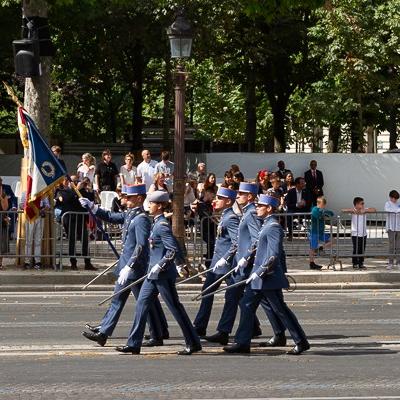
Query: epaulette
[(164, 223)]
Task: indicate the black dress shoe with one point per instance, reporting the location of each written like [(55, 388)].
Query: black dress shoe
[(187, 351), (90, 267), (219, 337), (275, 341), (237, 348), (315, 266), (299, 348), (257, 332), (200, 331), (100, 338), (92, 328), (128, 349), (165, 336), (153, 343)]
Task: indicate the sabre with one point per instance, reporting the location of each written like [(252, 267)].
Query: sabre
[(268, 270), (123, 289), (99, 275), (213, 284), (240, 283), (194, 276)]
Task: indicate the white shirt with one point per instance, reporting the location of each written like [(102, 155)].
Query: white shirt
[(299, 196), (393, 218), (146, 171), (85, 171), (359, 225), (129, 176), (167, 168)]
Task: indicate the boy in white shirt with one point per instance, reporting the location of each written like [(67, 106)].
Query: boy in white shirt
[(358, 230), (393, 228)]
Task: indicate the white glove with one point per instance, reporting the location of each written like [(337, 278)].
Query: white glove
[(155, 270), (243, 263), (86, 203), (219, 264), (124, 274), (252, 277)]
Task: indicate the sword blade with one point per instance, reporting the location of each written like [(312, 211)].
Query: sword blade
[(213, 284), (240, 283), (194, 276), (99, 275), (124, 289)]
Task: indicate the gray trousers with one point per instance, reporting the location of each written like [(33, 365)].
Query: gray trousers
[(394, 246)]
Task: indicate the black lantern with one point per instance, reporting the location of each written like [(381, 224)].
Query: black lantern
[(180, 36)]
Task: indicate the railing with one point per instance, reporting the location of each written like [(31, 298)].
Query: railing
[(77, 237)]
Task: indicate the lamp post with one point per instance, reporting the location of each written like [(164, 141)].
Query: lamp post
[(180, 36)]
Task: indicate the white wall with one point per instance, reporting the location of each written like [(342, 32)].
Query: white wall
[(370, 176)]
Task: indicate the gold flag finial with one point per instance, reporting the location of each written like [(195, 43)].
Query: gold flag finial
[(13, 96)]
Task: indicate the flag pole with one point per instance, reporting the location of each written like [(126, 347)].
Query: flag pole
[(25, 143)]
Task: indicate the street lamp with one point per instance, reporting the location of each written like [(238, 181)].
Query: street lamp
[(180, 36)]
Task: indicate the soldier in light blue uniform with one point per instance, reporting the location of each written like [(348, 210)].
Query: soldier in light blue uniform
[(224, 253), (161, 279), (266, 282), (132, 265), (248, 232)]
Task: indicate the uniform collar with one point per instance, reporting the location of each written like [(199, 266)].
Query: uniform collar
[(156, 218), (248, 206), (226, 211)]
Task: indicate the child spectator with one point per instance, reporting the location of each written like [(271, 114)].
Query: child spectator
[(317, 233), (358, 230), (393, 228)]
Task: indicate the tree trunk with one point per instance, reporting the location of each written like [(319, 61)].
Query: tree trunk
[(334, 135), (167, 103), (251, 110), (357, 128), (137, 96), (279, 127), (393, 128), (37, 89)]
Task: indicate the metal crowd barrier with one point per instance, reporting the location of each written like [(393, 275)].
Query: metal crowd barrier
[(76, 236)]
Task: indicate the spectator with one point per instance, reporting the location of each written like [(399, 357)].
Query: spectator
[(288, 183), (189, 197), (200, 173), (314, 181), (392, 207), (128, 172), (86, 168), (106, 173), (74, 222), (282, 171), (34, 234), (237, 178), (358, 230), (158, 183), (167, 168), (228, 179), (119, 202), (234, 168), (210, 187), (276, 191), (57, 153), (298, 200), (146, 169), (4, 220), (263, 181), (12, 206), (317, 233)]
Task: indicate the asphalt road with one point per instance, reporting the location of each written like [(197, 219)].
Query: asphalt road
[(354, 335)]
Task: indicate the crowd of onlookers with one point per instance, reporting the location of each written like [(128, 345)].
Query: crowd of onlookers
[(297, 195)]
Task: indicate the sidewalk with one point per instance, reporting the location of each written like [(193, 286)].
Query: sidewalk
[(376, 276)]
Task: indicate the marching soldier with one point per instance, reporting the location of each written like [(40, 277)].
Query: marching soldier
[(266, 282), (224, 253), (131, 266), (161, 279), (249, 229)]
